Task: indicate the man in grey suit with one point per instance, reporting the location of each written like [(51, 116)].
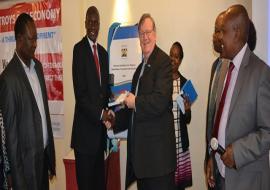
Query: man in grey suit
[(24, 102), (244, 125)]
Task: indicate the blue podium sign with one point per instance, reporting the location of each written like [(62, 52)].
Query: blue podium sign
[(124, 57)]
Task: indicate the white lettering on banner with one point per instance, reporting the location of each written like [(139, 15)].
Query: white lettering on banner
[(53, 77), (48, 14), (52, 65), (6, 20)]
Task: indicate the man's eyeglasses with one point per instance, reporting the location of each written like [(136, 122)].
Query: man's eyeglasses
[(145, 33)]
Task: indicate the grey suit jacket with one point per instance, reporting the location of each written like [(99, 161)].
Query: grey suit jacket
[(248, 126), (24, 127)]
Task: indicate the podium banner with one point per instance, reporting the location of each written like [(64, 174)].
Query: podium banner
[(47, 17), (124, 56)]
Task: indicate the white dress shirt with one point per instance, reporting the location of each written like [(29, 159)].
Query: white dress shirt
[(237, 60), (35, 85)]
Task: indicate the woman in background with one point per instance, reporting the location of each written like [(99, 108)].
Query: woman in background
[(183, 173)]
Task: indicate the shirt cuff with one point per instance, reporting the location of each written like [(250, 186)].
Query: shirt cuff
[(101, 114)]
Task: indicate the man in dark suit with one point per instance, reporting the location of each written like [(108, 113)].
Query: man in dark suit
[(244, 125), (151, 155), (91, 87), (24, 102), (218, 73)]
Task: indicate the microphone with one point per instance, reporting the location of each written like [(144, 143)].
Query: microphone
[(216, 147)]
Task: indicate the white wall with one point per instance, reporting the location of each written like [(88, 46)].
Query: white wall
[(260, 17), (190, 22)]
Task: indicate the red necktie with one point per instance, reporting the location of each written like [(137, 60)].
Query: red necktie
[(96, 60), (222, 101)]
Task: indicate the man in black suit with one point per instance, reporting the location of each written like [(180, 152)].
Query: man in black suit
[(24, 102), (151, 156), (91, 87)]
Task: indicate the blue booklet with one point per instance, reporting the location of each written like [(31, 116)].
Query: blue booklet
[(189, 90)]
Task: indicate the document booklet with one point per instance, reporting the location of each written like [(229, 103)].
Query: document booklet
[(189, 91), (119, 100)]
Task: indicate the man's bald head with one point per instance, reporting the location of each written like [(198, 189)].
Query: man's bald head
[(237, 14)]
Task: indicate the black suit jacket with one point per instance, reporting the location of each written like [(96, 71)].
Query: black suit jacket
[(24, 126), (88, 133), (151, 138), (210, 119), (184, 120)]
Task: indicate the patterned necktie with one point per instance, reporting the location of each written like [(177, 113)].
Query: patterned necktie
[(96, 60), (222, 101)]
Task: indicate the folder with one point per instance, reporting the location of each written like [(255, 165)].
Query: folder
[(119, 100), (189, 91)]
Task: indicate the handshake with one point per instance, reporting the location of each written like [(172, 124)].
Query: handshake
[(108, 116)]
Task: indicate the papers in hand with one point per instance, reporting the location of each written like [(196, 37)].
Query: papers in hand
[(189, 91), (180, 102), (119, 100)]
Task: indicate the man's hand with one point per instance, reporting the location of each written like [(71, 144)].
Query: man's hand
[(52, 177), (228, 158), (108, 118), (210, 173), (130, 101)]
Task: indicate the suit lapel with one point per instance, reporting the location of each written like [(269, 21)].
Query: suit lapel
[(101, 64), (22, 75), (42, 85), (136, 78), (221, 79), (151, 60), (90, 58), (241, 78), (24, 78)]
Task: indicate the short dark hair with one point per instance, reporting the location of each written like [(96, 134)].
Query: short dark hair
[(181, 52), (142, 19), (20, 24), (252, 36), (92, 10)]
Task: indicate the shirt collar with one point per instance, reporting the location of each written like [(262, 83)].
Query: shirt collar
[(91, 42), (32, 64), (237, 60)]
